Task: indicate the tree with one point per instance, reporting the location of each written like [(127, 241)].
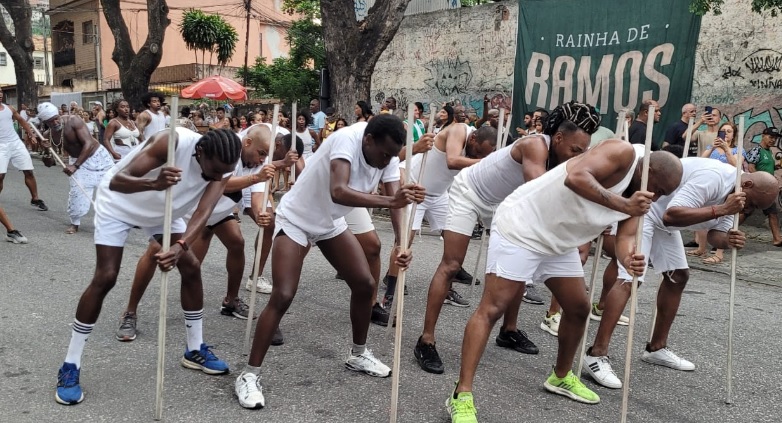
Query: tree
[(136, 67), (203, 32), (19, 45), (702, 7)]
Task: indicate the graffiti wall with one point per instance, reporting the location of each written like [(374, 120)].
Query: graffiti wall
[(458, 55), (739, 70)]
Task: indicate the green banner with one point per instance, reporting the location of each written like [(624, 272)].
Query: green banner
[(610, 54)]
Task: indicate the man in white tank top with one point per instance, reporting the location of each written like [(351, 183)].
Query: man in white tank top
[(339, 177), (152, 120), (133, 194), (88, 160), (475, 194), (706, 200), (454, 148), (222, 223), (535, 237), (13, 151)]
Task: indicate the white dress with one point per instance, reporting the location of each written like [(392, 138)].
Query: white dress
[(128, 139)]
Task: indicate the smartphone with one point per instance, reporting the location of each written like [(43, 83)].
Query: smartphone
[(709, 110), (721, 135)]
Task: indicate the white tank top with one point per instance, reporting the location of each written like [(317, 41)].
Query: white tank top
[(126, 136), (548, 218), (497, 176), (146, 209), (157, 123), (306, 138), (7, 132), (437, 176)]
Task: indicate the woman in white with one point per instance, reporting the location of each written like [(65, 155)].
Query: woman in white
[(308, 136), (121, 135)]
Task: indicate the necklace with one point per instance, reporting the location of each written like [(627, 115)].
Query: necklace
[(128, 123), (62, 132)]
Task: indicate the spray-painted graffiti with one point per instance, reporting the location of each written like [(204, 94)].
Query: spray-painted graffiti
[(764, 60), (449, 76)]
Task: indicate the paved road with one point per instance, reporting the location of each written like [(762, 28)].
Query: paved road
[(305, 380)]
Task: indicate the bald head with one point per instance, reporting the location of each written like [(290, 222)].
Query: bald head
[(255, 145), (665, 173), (761, 188)]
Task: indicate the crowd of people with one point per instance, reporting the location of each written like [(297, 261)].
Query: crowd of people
[(475, 177)]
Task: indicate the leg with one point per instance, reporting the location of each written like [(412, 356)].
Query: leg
[(668, 299), (287, 259), (32, 185), (773, 223), (575, 305), (230, 234), (511, 316), (145, 271), (5, 221), (2, 178), (78, 202), (610, 274), (496, 298), (615, 303), (370, 244)]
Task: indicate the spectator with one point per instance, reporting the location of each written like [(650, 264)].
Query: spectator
[(362, 111), (184, 120), (318, 117), (760, 159), (100, 118), (638, 127), (527, 125), (341, 123), (703, 138), (331, 122), (676, 133), (418, 126)]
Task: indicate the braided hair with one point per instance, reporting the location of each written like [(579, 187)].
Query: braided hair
[(582, 115), (221, 143)]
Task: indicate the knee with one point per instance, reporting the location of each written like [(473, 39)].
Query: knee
[(189, 267), (103, 281), (450, 266), (281, 299), (363, 287), (490, 311), (372, 248), (678, 278), (578, 310)]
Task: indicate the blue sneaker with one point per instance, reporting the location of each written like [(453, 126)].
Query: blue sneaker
[(205, 361), (68, 389)]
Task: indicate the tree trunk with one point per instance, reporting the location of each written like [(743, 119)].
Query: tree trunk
[(20, 47), (353, 48), (136, 68)]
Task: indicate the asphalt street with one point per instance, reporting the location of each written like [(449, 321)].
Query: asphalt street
[(305, 379)]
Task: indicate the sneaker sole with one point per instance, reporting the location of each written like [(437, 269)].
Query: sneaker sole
[(63, 402), (379, 322), (368, 372), (195, 366), (259, 290), (455, 304), (598, 380), (666, 364), (225, 312), (545, 328), (125, 338), (533, 302), (565, 393), (595, 317), (256, 406), (511, 346), (15, 241)]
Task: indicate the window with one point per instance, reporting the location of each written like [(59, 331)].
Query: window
[(38, 62), (3, 59), (86, 31)]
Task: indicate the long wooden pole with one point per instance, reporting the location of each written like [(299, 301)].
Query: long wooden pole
[(293, 142), (634, 287), (733, 261), (399, 295), (59, 160), (167, 216), (257, 262)]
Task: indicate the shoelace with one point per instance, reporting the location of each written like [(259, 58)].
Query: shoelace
[(206, 352), (461, 406), (605, 360), (69, 378), (127, 322)]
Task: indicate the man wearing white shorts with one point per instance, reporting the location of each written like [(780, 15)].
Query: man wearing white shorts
[(340, 176), (704, 201), (248, 173), (132, 194), (475, 194), (88, 161), (13, 151), (535, 237)]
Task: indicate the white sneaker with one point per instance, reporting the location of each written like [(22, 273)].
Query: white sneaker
[(667, 358), (551, 324), (367, 363), (601, 371), (249, 391), (597, 315), (263, 285)]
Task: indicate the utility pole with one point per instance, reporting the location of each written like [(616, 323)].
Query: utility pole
[(46, 27), (247, 7)]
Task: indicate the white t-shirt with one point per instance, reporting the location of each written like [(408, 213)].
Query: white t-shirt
[(705, 182), (308, 204)]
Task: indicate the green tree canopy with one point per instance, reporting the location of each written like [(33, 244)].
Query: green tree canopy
[(208, 33)]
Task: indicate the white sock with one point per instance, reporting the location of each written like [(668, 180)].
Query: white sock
[(81, 331), (194, 324)]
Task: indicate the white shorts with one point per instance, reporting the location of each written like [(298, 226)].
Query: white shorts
[(664, 247), (359, 221), (435, 209), (303, 238), (509, 261), (465, 209), (113, 233), (16, 153)]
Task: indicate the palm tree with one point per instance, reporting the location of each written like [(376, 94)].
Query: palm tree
[(203, 32)]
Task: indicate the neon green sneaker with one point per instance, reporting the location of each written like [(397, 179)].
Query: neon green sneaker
[(461, 408), (570, 386)]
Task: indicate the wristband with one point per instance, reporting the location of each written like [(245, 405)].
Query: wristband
[(182, 243)]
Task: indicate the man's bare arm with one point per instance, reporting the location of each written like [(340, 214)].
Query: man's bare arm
[(142, 120), (588, 172), (534, 155), (454, 145), (342, 194)]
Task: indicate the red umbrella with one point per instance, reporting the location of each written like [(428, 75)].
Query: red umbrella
[(216, 88)]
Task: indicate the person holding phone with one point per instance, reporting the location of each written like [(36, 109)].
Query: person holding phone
[(711, 118)]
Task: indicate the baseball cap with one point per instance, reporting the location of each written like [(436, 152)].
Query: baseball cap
[(774, 132)]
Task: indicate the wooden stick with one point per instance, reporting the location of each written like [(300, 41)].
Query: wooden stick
[(399, 295), (506, 131), (167, 217), (257, 262), (293, 145), (59, 160), (634, 287), (688, 138), (733, 261)]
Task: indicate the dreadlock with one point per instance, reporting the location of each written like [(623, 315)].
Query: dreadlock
[(582, 115), (221, 143)]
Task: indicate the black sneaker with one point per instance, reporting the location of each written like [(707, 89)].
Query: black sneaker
[(531, 296), (379, 315), (427, 357), (338, 276), (517, 340), (277, 339), (477, 232), (385, 284), (463, 277), (238, 308), (39, 204), (453, 298)]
